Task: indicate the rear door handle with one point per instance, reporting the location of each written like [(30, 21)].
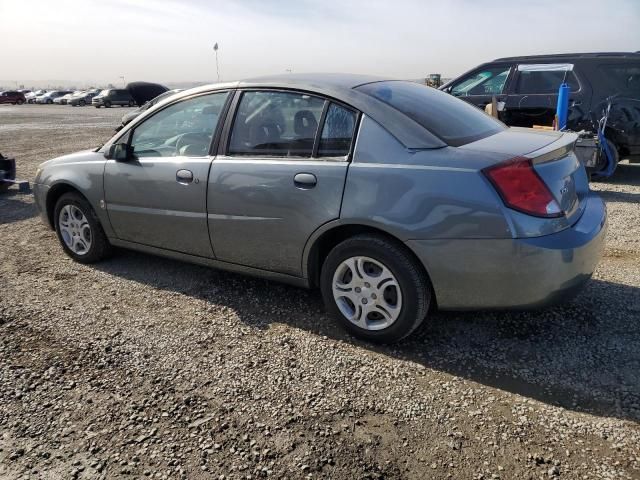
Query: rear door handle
[(184, 176), (305, 180)]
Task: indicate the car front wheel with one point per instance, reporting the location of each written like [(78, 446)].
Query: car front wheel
[(107, 104), (79, 229), (375, 288)]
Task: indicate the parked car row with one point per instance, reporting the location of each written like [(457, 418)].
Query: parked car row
[(95, 96)]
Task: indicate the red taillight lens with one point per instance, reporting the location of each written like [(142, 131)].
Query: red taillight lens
[(522, 189)]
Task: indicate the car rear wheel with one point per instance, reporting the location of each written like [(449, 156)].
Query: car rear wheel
[(82, 103), (20, 102), (375, 289), (132, 103), (49, 102), (79, 230)]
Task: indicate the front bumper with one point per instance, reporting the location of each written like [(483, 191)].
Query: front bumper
[(515, 273), (40, 195)]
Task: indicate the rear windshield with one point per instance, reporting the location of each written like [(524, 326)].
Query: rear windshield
[(452, 120)]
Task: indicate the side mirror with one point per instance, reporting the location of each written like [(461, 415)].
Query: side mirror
[(120, 152)]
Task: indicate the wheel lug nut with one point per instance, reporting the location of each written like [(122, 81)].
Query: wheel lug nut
[(358, 289), (373, 295), (364, 301), (367, 285)]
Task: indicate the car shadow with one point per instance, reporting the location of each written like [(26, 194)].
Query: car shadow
[(15, 206), (613, 196), (625, 174), (582, 356)]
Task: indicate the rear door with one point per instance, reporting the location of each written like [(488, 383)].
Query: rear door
[(280, 176), (533, 96)]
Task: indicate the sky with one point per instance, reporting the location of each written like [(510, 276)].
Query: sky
[(98, 42)]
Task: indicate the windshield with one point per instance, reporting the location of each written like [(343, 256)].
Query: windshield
[(452, 120)]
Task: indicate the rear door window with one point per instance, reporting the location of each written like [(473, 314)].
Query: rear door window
[(544, 81), (450, 119), (279, 124)]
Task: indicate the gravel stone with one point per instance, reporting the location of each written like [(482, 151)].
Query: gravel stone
[(143, 367)]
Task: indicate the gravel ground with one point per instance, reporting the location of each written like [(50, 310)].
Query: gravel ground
[(142, 367)]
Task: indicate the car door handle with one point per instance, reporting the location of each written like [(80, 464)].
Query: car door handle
[(184, 176), (305, 180)]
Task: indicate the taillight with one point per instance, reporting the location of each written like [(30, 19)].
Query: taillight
[(522, 189)]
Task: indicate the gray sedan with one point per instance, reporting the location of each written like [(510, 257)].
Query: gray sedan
[(390, 196)]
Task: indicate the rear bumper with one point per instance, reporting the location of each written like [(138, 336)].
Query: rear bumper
[(515, 273)]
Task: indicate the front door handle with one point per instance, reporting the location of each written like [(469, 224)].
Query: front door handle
[(305, 180), (184, 176)]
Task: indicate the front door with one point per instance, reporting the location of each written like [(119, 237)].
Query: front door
[(158, 197), (281, 178)]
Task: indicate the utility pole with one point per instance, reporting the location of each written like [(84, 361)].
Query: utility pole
[(215, 49)]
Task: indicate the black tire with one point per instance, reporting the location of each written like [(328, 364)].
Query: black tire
[(97, 106), (82, 103), (132, 103), (107, 104), (602, 161), (413, 281), (100, 247), (49, 102), (20, 102)]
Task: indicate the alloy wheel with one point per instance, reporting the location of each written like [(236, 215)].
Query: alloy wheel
[(367, 293), (75, 229)]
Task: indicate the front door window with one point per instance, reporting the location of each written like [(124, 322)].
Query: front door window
[(489, 81)]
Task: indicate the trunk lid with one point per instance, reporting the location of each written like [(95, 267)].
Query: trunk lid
[(553, 159)]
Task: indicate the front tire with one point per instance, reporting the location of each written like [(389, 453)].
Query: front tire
[(82, 103), (375, 288), (107, 104), (79, 230)]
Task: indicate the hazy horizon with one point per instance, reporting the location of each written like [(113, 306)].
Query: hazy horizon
[(96, 43)]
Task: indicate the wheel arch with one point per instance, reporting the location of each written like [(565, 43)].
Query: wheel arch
[(330, 235), (54, 193)]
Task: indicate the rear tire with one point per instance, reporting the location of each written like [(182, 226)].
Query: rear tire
[(616, 158), (20, 102), (375, 289), (82, 103), (78, 229)]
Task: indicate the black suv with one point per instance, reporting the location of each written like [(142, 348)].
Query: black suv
[(528, 88), (113, 96)]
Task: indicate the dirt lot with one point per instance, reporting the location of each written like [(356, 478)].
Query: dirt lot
[(142, 367)]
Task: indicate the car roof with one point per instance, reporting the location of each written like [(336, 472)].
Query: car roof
[(340, 87), (575, 56)]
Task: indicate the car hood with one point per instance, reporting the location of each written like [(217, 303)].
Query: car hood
[(514, 140), (77, 157)]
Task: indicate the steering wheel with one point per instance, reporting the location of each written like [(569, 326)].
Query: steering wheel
[(191, 139)]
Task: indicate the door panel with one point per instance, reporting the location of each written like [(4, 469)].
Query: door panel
[(158, 197), (148, 203), (261, 217)]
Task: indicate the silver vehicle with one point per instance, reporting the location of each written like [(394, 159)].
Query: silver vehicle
[(49, 97), (64, 99), (390, 196), (82, 98)]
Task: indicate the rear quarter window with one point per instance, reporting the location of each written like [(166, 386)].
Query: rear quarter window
[(622, 78), (453, 121)]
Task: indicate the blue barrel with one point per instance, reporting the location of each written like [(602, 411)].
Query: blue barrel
[(562, 110)]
